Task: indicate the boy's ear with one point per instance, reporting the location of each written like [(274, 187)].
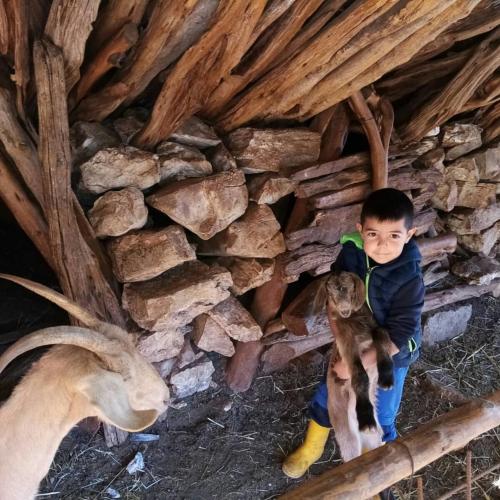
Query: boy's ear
[(411, 233), (359, 227)]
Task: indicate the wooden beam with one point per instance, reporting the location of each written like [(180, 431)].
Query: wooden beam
[(378, 469)]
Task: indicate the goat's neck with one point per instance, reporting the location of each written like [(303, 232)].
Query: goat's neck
[(33, 422)]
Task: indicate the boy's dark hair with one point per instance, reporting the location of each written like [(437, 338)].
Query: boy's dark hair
[(388, 204)]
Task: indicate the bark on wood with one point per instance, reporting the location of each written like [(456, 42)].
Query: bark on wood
[(308, 258), (468, 221), (68, 27), (483, 241), (458, 91), (114, 15), (443, 298), (369, 474), (77, 269), (4, 30), (269, 188), (433, 249), (479, 195), (203, 66), (109, 56)]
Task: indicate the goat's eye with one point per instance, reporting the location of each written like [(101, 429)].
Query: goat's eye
[(342, 289)]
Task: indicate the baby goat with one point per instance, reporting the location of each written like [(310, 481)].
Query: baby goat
[(97, 372), (355, 332)]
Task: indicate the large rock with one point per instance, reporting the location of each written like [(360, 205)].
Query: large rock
[(256, 234), (210, 336), (192, 380), (272, 150), (177, 296), (161, 345), (247, 273), (180, 162), (142, 255), (236, 321), (479, 195), (477, 270), (269, 188), (204, 206), (467, 221), (113, 168), (481, 242), (118, 212), (87, 138), (196, 133), (445, 325)]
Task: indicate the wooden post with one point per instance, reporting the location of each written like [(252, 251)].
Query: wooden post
[(372, 472)]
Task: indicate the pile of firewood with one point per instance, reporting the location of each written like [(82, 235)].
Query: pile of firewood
[(174, 161)]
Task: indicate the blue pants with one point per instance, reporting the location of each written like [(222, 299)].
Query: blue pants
[(387, 405)]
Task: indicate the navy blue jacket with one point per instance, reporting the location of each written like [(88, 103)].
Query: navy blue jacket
[(395, 293)]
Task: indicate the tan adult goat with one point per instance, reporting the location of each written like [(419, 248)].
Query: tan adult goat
[(98, 372)]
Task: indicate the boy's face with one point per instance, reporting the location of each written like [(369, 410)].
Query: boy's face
[(384, 240)]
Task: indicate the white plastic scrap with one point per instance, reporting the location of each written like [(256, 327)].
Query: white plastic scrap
[(137, 464)]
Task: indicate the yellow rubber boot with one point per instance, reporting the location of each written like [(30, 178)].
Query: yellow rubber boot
[(296, 464)]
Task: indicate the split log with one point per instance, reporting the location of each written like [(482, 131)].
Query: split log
[(159, 346), (488, 164), (247, 274), (236, 321), (269, 188), (68, 26), (460, 138), (308, 258), (172, 28), (4, 30), (118, 212), (114, 15), (437, 248), (209, 336), (468, 221), (256, 234), (458, 91), (221, 159), (205, 206), (378, 469), (142, 255), (109, 56), (479, 195), (176, 297), (490, 121), (77, 269), (477, 270), (443, 298), (275, 150), (194, 132), (434, 273), (200, 69), (279, 355), (262, 54), (26, 212)]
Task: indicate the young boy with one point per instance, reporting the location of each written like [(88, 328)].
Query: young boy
[(383, 254)]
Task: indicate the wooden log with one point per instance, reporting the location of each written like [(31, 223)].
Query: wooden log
[(154, 53), (26, 212), (68, 26), (403, 45), (308, 258), (433, 249), (458, 91), (203, 66), (378, 469), (4, 30), (77, 269), (378, 153), (269, 188), (443, 298), (262, 54), (114, 15), (109, 56), (468, 221)]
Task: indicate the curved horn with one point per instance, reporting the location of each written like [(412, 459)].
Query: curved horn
[(71, 307), (72, 335)]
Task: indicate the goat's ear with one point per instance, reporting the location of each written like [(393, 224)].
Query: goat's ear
[(107, 393), (358, 298), (318, 302)]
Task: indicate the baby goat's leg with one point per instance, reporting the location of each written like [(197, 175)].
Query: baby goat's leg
[(385, 365), (361, 385)]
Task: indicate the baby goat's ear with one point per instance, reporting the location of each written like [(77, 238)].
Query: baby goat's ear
[(108, 395), (319, 301), (358, 298)]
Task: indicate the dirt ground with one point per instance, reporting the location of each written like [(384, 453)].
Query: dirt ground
[(220, 445)]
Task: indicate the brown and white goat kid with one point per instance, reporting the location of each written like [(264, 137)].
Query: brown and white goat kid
[(352, 402), (97, 372)]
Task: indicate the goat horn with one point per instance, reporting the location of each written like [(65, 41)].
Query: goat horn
[(72, 335), (71, 307)]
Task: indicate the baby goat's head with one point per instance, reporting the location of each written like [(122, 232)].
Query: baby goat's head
[(121, 386), (345, 293)]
